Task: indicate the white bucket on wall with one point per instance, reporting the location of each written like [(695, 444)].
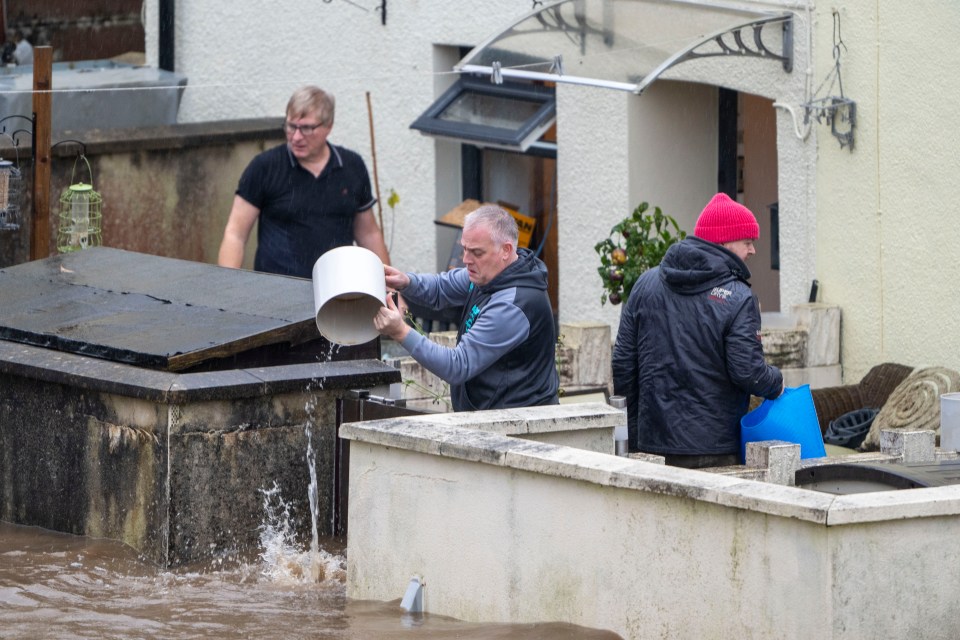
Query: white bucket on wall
[(950, 421), (348, 290)]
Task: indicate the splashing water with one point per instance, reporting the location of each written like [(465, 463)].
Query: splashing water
[(282, 559)]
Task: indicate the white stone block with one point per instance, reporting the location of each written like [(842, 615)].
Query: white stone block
[(591, 343), (822, 323), (911, 446)]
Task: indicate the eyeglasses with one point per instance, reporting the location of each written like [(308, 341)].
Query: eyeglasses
[(304, 129)]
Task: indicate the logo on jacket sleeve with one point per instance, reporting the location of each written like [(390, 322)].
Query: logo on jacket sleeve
[(719, 294), (474, 312)]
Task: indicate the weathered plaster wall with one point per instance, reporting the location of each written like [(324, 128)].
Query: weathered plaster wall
[(174, 465), (166, 190)]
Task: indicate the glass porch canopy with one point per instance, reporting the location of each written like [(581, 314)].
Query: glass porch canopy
[(627, 44)]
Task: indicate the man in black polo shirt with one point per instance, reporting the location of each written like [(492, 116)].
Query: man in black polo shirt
[(308, 195)]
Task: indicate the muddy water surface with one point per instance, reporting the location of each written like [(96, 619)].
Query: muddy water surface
[(60, 586)]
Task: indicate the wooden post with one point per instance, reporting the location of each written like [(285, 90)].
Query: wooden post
[(42, 109), (373, 152)]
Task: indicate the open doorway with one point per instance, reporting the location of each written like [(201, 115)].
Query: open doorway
[(527, 183), (749, 174)]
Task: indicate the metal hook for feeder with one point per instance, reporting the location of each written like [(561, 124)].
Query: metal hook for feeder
[(14, 144), (80, 156), (83, 146)]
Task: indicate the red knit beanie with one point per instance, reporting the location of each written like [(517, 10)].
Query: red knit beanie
[(724, 220)]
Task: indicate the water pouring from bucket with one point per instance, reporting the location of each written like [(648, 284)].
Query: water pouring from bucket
[(348, 291)]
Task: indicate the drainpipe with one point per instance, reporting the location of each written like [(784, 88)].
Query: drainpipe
[(166, 34)]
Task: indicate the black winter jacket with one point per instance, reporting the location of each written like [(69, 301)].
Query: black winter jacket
[(688, 353)]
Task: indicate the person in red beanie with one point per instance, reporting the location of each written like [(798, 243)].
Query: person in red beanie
[(688, 354)]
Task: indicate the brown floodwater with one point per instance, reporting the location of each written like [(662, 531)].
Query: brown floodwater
[(55, 585)]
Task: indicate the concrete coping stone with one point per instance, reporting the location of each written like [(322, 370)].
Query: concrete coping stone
[(106, 376), (162, 137), (450, 435), (533, 420)]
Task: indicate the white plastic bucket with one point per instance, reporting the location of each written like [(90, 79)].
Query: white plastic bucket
[(950, 421), (348, 290)]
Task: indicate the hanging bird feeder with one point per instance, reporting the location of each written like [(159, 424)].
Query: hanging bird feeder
[(10, 187), (80, 215)]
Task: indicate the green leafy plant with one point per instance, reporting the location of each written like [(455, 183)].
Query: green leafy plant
[(393, 200), (436, 397), (636, 243)]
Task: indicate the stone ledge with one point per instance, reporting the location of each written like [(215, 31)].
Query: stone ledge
[(163, 137), (99, 375), (429, 436), (878, 506), (532, 420), (451, 438)]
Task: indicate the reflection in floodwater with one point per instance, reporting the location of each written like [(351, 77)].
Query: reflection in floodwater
[(55, 585)]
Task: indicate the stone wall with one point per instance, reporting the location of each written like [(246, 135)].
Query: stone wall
[(805, 344), (174, 465), (501, 529), (166, 191)]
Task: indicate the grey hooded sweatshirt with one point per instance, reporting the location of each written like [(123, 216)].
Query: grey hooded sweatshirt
[(506, 342)]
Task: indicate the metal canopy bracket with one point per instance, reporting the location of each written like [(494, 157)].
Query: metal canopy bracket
[(740, 48), (627, 44)]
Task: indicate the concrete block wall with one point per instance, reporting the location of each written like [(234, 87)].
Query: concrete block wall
[(644, 550), (172, 464)]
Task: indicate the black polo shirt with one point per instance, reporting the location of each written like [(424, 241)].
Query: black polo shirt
[(303, 217)]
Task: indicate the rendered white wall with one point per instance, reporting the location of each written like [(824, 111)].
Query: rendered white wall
[(887, 234), (593, 193), (505, 530), (673, 149)]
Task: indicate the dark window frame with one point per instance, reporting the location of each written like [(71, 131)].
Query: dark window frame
[(517, 139)]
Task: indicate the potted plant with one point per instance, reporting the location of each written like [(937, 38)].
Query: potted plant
[(636, 243)]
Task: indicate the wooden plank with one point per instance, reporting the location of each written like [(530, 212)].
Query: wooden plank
[(42, 110)]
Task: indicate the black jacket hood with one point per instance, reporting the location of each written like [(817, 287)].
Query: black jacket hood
[(694, 265)]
